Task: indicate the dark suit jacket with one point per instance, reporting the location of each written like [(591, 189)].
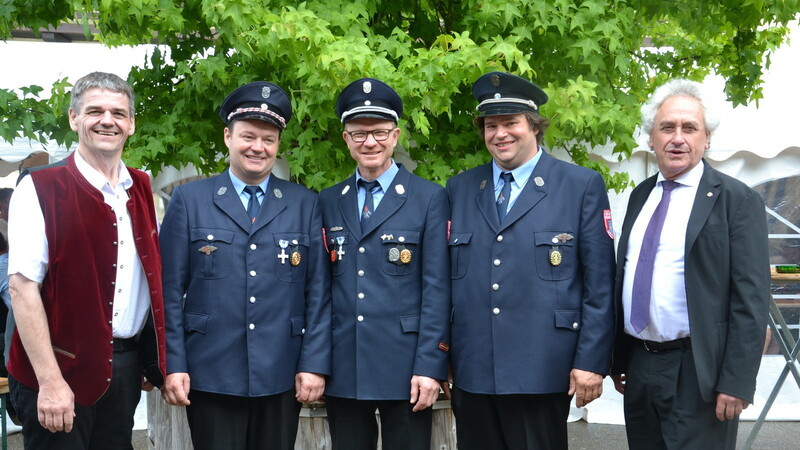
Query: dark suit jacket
[(405, 309), (249, 322), (727, 283), (521, 323)]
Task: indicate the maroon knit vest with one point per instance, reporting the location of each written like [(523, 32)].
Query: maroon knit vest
[(78, 289)]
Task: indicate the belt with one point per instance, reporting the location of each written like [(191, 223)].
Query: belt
[(660, 347), (125, 345)]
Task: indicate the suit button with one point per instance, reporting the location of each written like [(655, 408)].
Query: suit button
[(575, 325), (401, 239), (496, 311), (361, 273), (210, 237), (252, 299), (253, 246), (500, 238), (360, 295), (495, 287), (252, 273), (496, 262), (252, 326), (303, 331), (360, 318), (361, 249)]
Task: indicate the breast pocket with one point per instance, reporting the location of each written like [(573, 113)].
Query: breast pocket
[(555, 254), (400, 251), (292, 251), (459, 254), (211, 252)]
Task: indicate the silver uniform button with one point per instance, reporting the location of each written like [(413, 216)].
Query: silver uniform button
[(361, 273), (294, 241), (252, 273), (253, 246), (575, 325), (500, 238), (496, 311), (495, 287), (252, 326), (303, 331), (496, 262), (360, 318), (252, 299), (554, 240), (210, 237), (361, 249), (360, 295)]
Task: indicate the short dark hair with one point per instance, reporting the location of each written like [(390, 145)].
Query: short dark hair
[(100, 80), (535, 121)]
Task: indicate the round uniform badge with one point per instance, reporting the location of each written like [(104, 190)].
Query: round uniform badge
[(555, 257), (394, 254), (405, 256), (295, 258)]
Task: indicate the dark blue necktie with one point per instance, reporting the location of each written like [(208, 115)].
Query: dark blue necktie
[(252, 205), (369, 205), (505, 195), (643, 278)]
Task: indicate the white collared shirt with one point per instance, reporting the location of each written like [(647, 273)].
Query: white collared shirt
[(669, 317), (28, 254)]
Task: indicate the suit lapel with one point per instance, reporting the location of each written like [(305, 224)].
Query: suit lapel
[(348, 207), (485, 197), (228, 201), (704, 201), (531, 194), (391, 201), (274, 202)]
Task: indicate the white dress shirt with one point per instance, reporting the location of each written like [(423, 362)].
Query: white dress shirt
[(669, 317), (28, 254)]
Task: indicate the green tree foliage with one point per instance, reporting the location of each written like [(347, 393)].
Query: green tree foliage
[(596, 59)]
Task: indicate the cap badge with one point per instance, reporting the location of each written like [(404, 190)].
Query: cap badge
[(495, 80), (265, 91), (367, 86)]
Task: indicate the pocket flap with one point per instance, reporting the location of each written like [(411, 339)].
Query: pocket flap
[(298, 325), (291, 238), (195, 322), (212, 234), (569, 319), (459, 238), (554, 238), (410, 324), (395, 237)]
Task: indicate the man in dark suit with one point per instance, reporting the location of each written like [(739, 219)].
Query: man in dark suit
[(691, 301), (246, 288), (386, 233), (532, 257)]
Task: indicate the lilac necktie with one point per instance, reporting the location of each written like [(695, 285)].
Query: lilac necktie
[(643, 279)]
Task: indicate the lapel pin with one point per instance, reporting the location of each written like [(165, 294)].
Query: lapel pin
[(400, 189), (278, 193), (207, 249), (346, 188), (387, 237), (334, 229), (483, 185), (710, 194), (539, 181), (222, 190)]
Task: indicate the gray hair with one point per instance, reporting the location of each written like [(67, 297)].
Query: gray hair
[(100, 80), (672, 88)]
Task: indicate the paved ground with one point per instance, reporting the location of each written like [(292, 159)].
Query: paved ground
[(584, 436)]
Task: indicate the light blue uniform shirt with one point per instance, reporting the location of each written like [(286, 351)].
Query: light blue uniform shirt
[(385, 180), (239, 185), (521, 176)]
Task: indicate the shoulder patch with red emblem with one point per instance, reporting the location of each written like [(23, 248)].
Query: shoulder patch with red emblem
[(608, 224)]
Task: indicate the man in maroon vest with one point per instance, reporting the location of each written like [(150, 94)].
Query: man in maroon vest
[(85, 277)]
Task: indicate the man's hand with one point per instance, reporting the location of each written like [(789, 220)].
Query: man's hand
[(308, 386), (56, 405), (729, 406), (619, 383), (424, 392), (586, 386), (176, 389)]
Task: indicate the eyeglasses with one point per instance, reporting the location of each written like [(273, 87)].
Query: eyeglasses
[(361, 136)]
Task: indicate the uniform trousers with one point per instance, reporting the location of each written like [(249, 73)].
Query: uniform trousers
[(664, 408), (511, 422), (354, 427), (231, 422), (107, 424)]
